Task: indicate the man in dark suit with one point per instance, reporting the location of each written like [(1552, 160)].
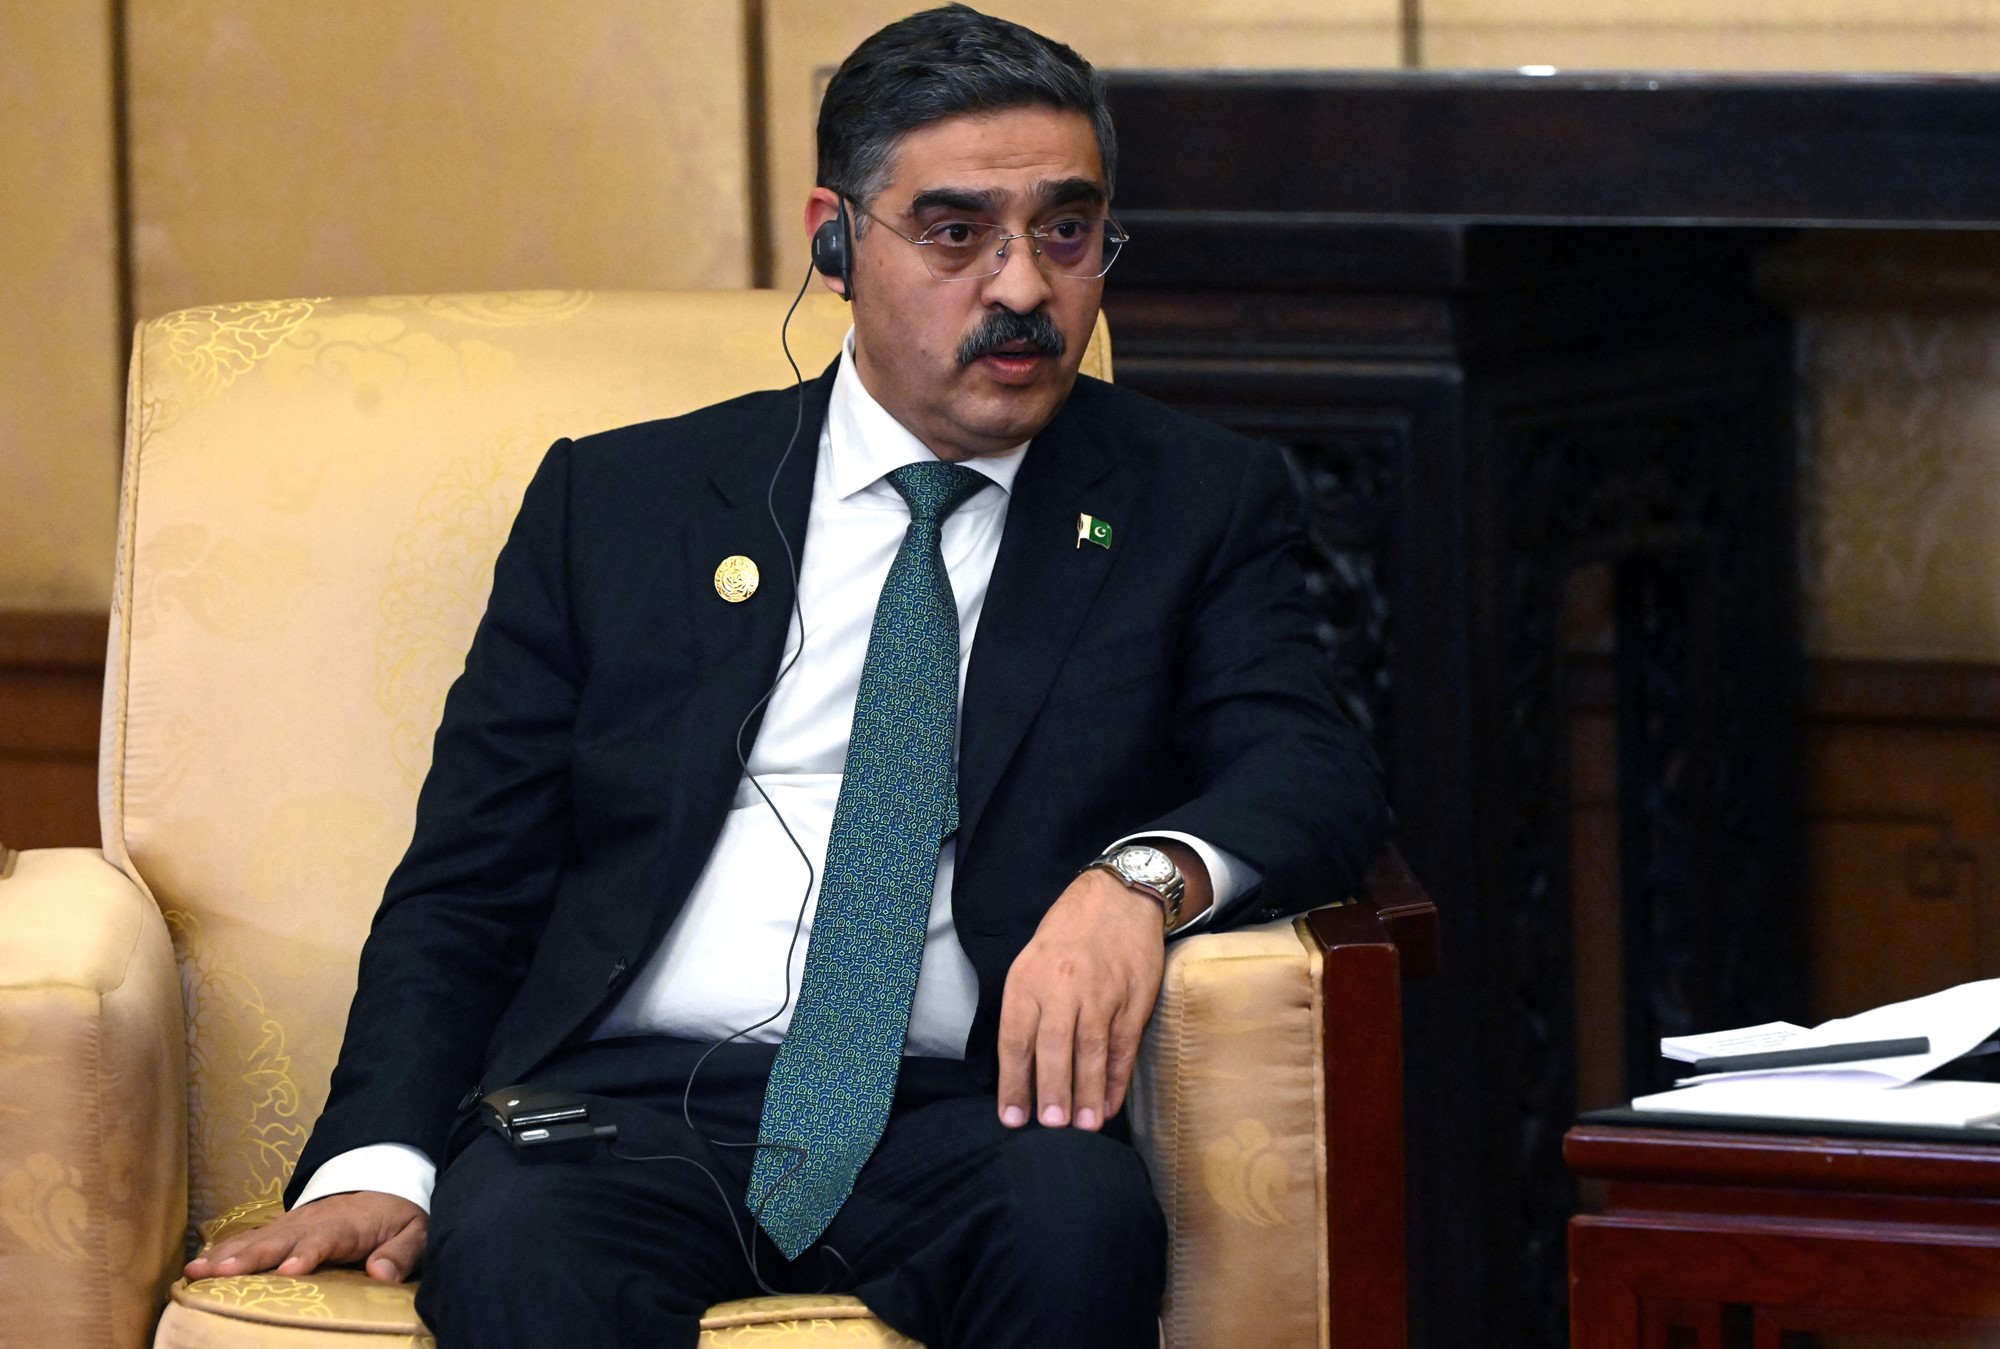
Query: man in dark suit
[(844, 898)]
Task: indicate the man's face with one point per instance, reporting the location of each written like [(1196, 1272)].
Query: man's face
[(1018, 169)]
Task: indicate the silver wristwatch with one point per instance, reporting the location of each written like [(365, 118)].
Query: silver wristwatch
[(1144, 867)]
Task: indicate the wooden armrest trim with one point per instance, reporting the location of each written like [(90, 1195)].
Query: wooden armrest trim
[(1406, 911), (1361, 995), (1350, 924)]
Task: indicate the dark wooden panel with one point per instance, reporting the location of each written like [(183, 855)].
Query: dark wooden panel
[(1494, 412), (59, 640), (48, 802), (1569, 149), (1902, 692), (1594, 907), (1905, 856), (51, 686)]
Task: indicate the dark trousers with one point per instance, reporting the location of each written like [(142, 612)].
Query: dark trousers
[(960, 1232)]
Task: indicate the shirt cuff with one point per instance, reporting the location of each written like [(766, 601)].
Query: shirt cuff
[(387, 1168), (1228, 875)]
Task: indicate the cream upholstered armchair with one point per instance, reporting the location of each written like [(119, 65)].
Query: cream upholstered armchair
[(313, 494)]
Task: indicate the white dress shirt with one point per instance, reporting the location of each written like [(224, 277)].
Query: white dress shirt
[(721, 971)]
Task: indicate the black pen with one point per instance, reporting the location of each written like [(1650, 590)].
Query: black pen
[(1807, 1058)]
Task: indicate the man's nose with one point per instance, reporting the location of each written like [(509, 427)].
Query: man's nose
[(1020, 284)]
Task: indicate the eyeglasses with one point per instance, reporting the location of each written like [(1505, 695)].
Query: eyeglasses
[(968, 250)]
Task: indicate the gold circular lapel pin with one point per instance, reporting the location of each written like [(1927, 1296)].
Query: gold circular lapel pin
[(736, 578)]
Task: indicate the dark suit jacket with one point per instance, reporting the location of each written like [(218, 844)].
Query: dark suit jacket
[(587, 757)]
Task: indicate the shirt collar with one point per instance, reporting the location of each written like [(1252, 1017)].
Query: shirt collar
[(864, 442)]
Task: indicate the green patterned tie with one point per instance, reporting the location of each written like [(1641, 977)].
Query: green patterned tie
[(830, 1088)]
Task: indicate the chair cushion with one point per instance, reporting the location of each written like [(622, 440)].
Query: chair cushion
[(92, 1139), (330, 1308), (1228, 1108)]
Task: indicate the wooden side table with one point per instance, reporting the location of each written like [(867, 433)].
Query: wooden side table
[(1736, 1238)]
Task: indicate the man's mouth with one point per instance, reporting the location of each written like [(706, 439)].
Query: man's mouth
[(1014, 364)]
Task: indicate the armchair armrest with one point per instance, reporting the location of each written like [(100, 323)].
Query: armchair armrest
[(1269, 1107), (93, 1103), (1368, 946), (1404, 911)]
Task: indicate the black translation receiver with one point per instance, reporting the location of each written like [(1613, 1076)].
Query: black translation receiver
[(543, 1123)]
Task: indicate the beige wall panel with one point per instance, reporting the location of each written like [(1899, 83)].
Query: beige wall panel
[(1696, 46), (1900, 482), (1717, 13), (378, 146), (61, 381), (806, 39)]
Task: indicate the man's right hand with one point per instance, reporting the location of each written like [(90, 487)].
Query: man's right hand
[(384, 1232)]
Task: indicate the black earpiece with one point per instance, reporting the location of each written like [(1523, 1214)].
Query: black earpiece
[(833, 251)]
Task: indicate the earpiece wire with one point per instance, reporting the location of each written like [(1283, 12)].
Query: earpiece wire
[(748, 1243)]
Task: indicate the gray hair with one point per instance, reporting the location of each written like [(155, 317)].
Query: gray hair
[(941, 63)]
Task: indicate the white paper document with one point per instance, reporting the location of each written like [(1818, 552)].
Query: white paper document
[(1956, 1020), (1941, 1103), (1750, 1040), (1871, 1091)]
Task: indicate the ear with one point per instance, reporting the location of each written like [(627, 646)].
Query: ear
[(822, 207)]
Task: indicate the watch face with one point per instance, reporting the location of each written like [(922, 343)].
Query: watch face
[(1149, 866)]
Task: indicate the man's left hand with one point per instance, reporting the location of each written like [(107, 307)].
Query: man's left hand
[(1078, 998)]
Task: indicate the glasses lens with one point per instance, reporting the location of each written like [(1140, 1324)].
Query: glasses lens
[(1081, 248), (960, 248), (1073, 247)]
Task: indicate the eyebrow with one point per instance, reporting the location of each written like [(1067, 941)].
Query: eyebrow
[(1047, 194), (953, 199), (1069, 192)]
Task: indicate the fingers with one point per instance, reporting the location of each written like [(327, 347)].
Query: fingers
[(309, 1250), (395, 1259), (1107, 1050), (1018, 1019), (249, 1252), (1123, 1059), (1059, 1053), (1128, 1032), (1057, 1061), (246, 1253), (337, 1230), (1092, 1041), (1055, 1038)]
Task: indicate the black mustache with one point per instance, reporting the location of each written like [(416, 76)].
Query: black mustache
[(1003, 326)]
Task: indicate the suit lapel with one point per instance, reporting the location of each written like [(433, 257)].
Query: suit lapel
[(742, 642), (1042, 587)]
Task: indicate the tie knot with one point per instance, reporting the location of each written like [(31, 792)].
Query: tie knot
[(935, 489)]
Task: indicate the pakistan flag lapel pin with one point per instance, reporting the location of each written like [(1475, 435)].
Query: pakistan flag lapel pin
[(736, 579), (1090, 529)]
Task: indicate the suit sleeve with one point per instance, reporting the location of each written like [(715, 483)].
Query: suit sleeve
[(461, 913), (1287, 783)]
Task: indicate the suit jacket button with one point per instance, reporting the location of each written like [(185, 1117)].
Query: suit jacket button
[(472, 1097)]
